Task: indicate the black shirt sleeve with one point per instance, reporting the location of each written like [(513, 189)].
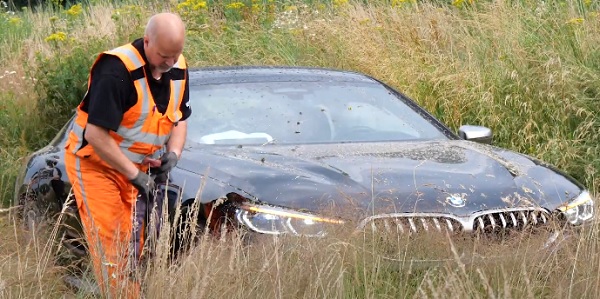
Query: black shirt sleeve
[(185, 106), (110, 93)]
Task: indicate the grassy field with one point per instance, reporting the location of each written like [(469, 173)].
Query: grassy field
[(530, 70)]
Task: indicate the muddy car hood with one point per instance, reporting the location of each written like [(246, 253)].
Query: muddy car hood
[(454, 176)]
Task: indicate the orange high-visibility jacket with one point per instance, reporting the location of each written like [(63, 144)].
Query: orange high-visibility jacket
[(143, 130)]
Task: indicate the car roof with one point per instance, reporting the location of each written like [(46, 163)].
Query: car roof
[(246, 74)]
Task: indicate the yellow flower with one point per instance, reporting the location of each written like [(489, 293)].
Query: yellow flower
[(57, 37), (184, 4), (75, 10), (459, 3), (53, 19), (256, 8), (575, 21), (193, 4), (340, 2), (199, 5), (14, 20), (191, 8), (235, 5)]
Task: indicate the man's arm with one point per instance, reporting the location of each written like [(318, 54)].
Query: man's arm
[(108, 150), (177, 139), (109, 98)]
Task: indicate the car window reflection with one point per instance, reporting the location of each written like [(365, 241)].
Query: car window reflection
[(302, 112)]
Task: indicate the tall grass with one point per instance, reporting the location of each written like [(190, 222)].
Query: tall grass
[(340, 265), (27, 264), (527, 69)]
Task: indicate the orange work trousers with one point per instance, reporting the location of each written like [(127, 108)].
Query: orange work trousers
[(106, 201)]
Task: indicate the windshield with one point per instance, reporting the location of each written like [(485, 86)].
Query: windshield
[(302, 112)]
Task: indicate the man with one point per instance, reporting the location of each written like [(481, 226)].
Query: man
[(136, 104)]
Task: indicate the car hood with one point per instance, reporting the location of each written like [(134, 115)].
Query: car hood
[(454, 176)]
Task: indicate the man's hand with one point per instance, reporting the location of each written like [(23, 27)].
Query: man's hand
[(167, 162), (144, 183)]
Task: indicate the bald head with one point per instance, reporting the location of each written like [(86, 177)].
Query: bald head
[(166, 26), (164, 39)]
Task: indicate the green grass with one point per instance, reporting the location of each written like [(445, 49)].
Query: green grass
[(15, 27), (528, 70)]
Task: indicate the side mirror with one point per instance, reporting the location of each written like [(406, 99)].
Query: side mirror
[(476, 133)]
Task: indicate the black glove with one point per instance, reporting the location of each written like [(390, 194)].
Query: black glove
[(144, 183), (168, 161)]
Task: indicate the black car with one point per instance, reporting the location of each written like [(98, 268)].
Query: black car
[(300, 151)]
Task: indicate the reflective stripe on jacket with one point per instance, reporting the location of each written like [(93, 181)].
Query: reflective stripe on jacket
[(143, 130)]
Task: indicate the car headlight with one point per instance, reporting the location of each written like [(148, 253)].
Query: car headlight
[(275, 221), (580, 209)]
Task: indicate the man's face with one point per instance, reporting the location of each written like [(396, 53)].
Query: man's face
[(161, 56)]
